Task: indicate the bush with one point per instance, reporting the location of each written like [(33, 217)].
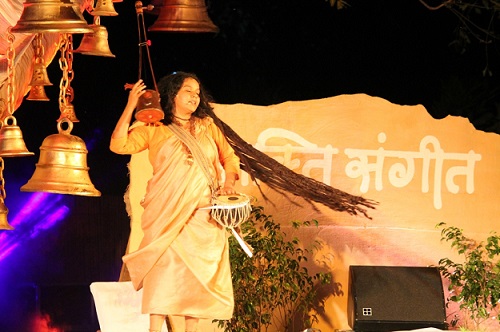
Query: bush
[(273, 288), (474, 283)]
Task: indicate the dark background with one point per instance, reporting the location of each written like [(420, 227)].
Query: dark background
[(272, 51), (267, 52)]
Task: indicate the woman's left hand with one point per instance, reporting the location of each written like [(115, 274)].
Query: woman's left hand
[(226, 190)]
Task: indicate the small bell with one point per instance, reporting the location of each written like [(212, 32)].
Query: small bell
[(11, 139), (37, 92), (4, 224), (40, 76), (62, 167), (104, 8), (68, 112), (148, 107), (95, 43)]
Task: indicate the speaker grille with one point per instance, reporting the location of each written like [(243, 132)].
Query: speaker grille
[(385, 298)]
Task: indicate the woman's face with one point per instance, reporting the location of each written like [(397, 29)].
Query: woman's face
[(188, 98)]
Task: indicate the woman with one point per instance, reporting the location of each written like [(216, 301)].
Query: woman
[(182, 263)]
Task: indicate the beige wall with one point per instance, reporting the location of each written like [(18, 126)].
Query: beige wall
[(422, 171)]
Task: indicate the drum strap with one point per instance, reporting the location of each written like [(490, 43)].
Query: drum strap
[(204, 163), (197, 152)]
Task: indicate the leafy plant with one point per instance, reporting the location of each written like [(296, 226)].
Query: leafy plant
[(475, 282), (273, 288)]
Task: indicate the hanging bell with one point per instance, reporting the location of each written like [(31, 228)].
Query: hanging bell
[(4, 224), (40, 76), (62, 167), (37, 93), (104, 8), (183, 16), (68, 112), (51, 16), (11, 139), (148, 107), (95, 43)]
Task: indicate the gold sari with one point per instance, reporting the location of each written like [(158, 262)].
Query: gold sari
[(182, 263)]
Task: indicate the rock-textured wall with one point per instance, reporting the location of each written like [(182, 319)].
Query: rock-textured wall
[(422, 171)]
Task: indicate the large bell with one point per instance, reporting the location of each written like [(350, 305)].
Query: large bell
[(37, 93), (11, 139), (104, 8), (62, 167), (40, 16), (95, 43), (4, 224), (148, 107), (183, 16), (40, 76)]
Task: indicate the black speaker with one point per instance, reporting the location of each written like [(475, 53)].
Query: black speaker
[(390, 298)]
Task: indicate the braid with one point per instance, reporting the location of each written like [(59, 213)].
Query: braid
[(282, 179)]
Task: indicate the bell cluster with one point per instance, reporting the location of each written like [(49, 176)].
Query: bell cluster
[(62, 166)]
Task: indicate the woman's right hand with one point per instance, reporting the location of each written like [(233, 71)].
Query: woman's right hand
[(122, 126), (136, 90)]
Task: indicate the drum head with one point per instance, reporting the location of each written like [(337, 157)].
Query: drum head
[(231, 199)]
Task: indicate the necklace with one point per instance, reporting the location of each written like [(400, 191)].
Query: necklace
[(178, 117), (189, 126)]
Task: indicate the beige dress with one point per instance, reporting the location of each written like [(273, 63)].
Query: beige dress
[(182, 263)]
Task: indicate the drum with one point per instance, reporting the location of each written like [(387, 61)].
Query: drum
[(148, 107), (230, 211)]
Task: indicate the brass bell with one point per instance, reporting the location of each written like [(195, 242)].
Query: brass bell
[(68, 112), (51, 16), (11, 139), (104, 8), (37, 92), (183, 16), (148, 107), (40, 76), (95, 43), (4, 224), (62, 167)]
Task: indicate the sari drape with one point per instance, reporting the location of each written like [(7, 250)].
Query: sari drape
[(182, 263)]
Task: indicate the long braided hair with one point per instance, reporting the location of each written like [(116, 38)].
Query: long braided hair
[(259, 165)]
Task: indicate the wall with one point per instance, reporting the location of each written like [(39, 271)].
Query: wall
[(422, 171)]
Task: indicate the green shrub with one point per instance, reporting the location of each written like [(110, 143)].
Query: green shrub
[(475, 282), (273, 288)]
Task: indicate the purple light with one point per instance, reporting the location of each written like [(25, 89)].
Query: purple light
[(50, 221), (34, 202), (41, 212), (5, 252)]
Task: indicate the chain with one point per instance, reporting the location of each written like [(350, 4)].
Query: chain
[(37, 44), (10, 98), (2, 181), (39, 49), (63, 64), (69, 55), (10, 74), (66, 64)]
